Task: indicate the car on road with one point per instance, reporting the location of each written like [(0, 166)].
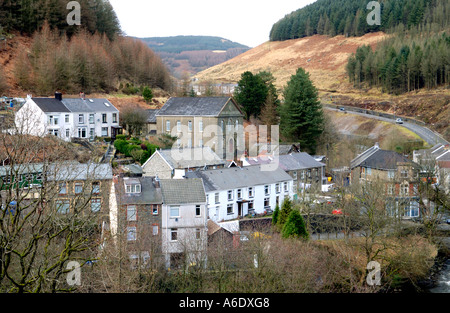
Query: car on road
[(341, 109), (399, 120)]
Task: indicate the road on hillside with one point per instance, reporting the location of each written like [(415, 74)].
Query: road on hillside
[(425, 133)]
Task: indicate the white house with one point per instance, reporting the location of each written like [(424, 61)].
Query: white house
[(68, 118), (184, 227), (235, 192)]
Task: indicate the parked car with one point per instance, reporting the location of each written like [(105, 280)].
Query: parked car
[(341, 109), (399, 121)]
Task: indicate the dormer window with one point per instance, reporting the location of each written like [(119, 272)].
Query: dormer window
[(132, 188)]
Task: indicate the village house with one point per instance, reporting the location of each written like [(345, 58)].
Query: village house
[(174, 163), (151, 121), (69, 118), (137, 216), (184, 228), (304, 169), (397, 175), (238, 191), (216, 122)]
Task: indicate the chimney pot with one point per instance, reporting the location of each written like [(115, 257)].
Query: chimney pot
[(58, 96)]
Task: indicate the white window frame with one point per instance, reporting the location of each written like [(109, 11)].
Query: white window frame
[(230, 195), (174, 211), (131, 213), (131, 233), (167, 126)]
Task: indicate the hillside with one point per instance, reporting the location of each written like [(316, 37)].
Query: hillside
[(193, 54), (325, 58)]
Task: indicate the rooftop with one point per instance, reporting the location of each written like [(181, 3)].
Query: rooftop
[(182, 191), (194, 106)]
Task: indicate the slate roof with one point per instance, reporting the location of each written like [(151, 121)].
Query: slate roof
[(151, 117), (376, 158), (50, 105), (297, 161), (193, 106), (80, 171), (182, 191), (191, 157), (76, 105), (149, 194), (79, 105), (238, 177)]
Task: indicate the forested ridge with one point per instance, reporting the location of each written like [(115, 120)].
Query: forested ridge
[(349, 18), (91, 57)]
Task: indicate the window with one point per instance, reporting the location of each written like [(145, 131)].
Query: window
[(266, 202), (104, 118), (174, 211), (391, 174), (404, 174), (174, 234), (198, 211), (200, 126), (390, 189), (155, 229), (230, 195), (216, 197), (179, 126), (404, 189), (133, 188), (198, 234), (96, 188), (114, 117), (63, 188), (91, 118), (78, 188), (239, 193), (266, 190), (237, 125), (285, 186), (50, 120), (294, 175), (230, 209), (155, 209), (131, 233), (190, 126), (91, 133), (67, 133), (96, 205), (104, 131), (63, 206), (369, 171), (250, 192), (66, 118), (168, 126), (250, 205), (81, 132), (302, 175), (131, 213), (277, 188), (81, 118)]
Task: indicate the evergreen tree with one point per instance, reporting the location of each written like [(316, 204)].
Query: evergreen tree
[(147, 94), (251, 93), (295, 226), (286, 208), (301, 115), (275, 215)]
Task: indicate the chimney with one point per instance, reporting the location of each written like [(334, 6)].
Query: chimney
[(377, 145), (58, 96)]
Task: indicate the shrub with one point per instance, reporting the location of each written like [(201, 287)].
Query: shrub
[(295, 226)]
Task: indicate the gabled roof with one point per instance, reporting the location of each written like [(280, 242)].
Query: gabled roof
[(49, 105), (151, 115), (189, 157), (238, 177), (149, 194), (376, 158), (194, 106), (182, 191), (298, 161), (79, 105)]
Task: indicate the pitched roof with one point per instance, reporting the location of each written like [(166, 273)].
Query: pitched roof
[(50, 105), (80, 171), (191, 157), (151, 115), (182, 191), (194, 106), (297, 161), (149, 194), (376, 158), (239, 177), (79, 105)]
